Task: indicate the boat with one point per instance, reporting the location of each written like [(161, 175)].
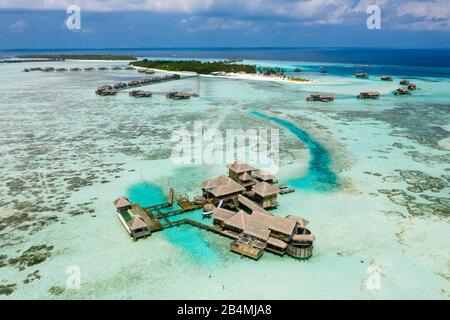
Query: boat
[(361, 75)]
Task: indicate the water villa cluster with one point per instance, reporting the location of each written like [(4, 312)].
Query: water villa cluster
[(238, 203), (108, 90), (367, 94), (51, 69), (409, 87)]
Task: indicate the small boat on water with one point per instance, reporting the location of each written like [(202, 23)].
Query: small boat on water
[(362, 75), (322, 70), (297, 70)]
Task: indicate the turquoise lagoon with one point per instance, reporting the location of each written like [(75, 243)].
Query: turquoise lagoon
[(369, 175)]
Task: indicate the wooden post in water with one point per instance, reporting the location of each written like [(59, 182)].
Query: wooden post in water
[(170, 197)]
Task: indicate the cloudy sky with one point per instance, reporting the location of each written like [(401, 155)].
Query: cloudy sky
[(213, 23)]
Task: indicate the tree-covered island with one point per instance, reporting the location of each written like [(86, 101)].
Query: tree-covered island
[(195, 66)]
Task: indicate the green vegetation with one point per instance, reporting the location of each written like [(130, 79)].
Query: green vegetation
[(195, 66), (297, 79), (79, 56), (275, 71)]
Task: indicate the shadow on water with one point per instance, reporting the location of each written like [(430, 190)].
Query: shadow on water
[(319, 176), (186, 237)]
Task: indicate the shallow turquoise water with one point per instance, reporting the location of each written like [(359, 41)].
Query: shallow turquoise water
[(319, 176), (94, 149), (188, 238)]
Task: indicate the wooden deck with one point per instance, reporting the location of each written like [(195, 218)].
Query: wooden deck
[(147, 216)]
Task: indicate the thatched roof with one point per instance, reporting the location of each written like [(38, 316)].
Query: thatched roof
[(222, 214), (302, 222), (251, 205), (245, 177), (122, 202), (282, 225), (222, 186), (256, 228), (264, 175), (137, 223), (237, 221), (264, 189), (239, 167), (259, 225)]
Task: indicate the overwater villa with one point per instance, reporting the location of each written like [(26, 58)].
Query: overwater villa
[(61, 69), (362, 75), (149, 71), (369, 95), (106, 91), (264, 176), (130, 219), (120, 85), (241, 173), (116, 68), (102, 69), (387, 78), (264, 194), (178, 95), (401, 91), (75, 69), (411, 87), (222, 190), (404, 82), (140, 94), (320, 97), (259, 231), (89, 69), (48, 69)]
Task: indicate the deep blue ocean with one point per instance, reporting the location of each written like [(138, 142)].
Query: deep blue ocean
[(378, 56)]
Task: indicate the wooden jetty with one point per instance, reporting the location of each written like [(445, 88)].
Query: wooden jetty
[(138, 83)]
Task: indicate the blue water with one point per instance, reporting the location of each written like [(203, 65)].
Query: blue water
[(319, 176), (190, 239), (372, 56)]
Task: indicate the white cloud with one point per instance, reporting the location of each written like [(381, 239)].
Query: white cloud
[(18, 26), (428, 14)]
